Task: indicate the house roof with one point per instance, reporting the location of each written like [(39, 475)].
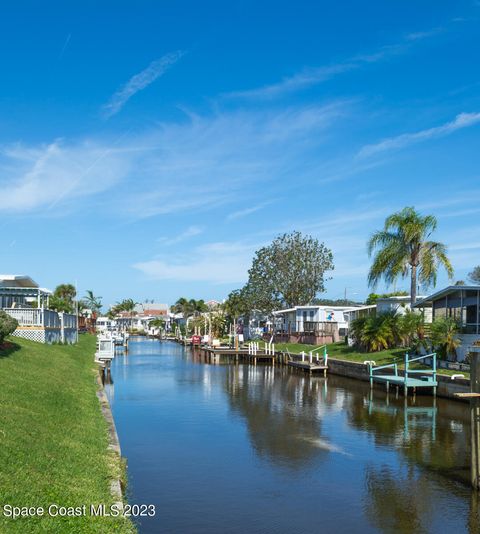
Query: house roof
[(155, 308), (442, 293), (318, 307), (17, 280)]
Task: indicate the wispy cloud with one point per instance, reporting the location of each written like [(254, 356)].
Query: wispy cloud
[(247, 211), (197, 164), (463, 120), (65, 45), (210, 160), (191, 231), (138, 82), (415, 36), (218, 263), (41, 176), (313, 76)]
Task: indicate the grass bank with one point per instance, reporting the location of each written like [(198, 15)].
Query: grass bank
[(53, 437)]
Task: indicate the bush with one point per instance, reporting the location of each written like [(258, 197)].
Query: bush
[(388, 330), (7, 325), (377, 332), (445, 337)]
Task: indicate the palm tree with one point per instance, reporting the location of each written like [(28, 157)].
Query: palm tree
[(93, 302), (189, 307), (181, 306), (403, 248)]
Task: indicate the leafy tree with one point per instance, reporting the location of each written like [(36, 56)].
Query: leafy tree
[(198, 306), (474, 275), (237, 304), (444, 334), (189, 307), (403, 248), (8, 325), (290, 271), (337, 302), (157, 323)]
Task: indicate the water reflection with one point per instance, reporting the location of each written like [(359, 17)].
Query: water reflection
[(282, 413), (223, 438)]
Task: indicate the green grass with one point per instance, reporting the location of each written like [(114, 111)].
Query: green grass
[(53, 437)]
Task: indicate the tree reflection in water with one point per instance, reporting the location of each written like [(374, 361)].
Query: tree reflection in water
[(282, 411)]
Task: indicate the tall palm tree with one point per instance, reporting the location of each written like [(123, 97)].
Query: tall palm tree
[(403, 248), (93, 302)]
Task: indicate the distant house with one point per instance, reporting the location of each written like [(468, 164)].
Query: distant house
[(22, 298), (212, 304), (105, 324), (398, 304), (462, 303), (153, 309), (312, 324), (142, 315)]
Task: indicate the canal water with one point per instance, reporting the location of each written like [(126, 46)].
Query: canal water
[(221, 448)]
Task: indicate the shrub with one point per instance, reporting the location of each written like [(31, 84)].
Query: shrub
[(7, 325), (378, 332), (445, 337)]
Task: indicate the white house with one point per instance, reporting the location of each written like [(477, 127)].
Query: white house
[(398, 304), (19, 290), (309, 318), (104, 324), (22, 298)]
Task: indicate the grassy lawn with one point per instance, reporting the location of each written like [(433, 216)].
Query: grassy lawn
[(53, 437)]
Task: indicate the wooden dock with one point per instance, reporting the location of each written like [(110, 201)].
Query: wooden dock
[(216, 354), (311, 362), (309, 367)]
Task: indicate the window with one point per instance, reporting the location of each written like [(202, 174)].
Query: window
[(472, 314), (439, 308)]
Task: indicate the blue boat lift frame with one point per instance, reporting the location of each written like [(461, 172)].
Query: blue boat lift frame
[(427, 377)]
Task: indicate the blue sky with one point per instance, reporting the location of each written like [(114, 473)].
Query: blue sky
[(147, 149)]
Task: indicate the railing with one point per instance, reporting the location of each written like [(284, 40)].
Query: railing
[(431, 373), (26, 316), (51, 319), (307, 327), (69, 320), (393, 366), (34, 317), (41, 317), (310, 357)]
